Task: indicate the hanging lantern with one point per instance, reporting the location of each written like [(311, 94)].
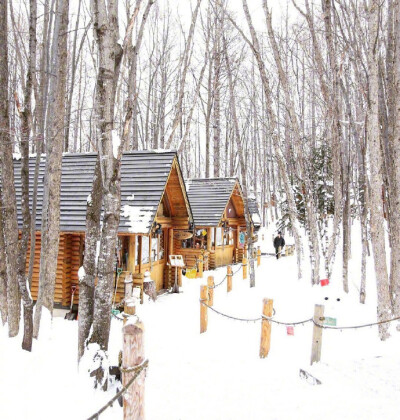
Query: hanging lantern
[(204, 232)]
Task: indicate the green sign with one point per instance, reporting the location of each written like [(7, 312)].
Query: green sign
[(330, 321)]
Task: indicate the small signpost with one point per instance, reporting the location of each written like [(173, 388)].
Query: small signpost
[(177, 262), (324, 282), (329, 321)]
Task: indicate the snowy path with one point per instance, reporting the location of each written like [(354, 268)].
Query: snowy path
[(218, 375)]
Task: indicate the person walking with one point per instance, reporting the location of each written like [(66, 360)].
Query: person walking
[(279, 243)]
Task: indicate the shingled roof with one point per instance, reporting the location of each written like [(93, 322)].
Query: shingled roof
[(208, 198), (144, 175)]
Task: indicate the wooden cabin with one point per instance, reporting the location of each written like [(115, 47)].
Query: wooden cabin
[(220, 225), (154, 203)]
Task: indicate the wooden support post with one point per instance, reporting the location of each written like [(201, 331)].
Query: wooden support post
[(266, 328), (129, 300), (210, 284), (203, 308), (208, 239), (229, 279), (245, 254), (132, 356), (201, 262), (258, 256), (317, 334), (244, 265), (180, 276)]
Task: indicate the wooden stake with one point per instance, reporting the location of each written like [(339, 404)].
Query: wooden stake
[(203, 308), (229, 279), (132, 356), (266, 328), (180, 276), (201, 266), (244, 265), (317, 334), (258, 256), (210, 284)]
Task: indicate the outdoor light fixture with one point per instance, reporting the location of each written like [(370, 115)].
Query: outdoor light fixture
[(157, 228)]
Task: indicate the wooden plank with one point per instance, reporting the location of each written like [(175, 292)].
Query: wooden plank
[(265, 343), (317, 334)]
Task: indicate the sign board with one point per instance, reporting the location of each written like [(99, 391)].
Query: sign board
[(324, 282), (242, 239), (290, 330), (329, 321), (182, 234), (176, 261)]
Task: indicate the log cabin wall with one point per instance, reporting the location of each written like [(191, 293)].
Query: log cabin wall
[(62, 275)]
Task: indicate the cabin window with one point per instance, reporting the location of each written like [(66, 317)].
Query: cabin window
[(219, 238), (228, 237), (145, 250), (137, 244)]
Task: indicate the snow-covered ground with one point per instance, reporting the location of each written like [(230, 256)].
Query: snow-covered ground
[(218, 374)]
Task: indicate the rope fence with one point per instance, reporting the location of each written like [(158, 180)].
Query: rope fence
[(226, 276), (275, 321), (137, 369)]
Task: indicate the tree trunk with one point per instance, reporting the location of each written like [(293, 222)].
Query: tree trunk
[(54, 148), (87, 280), (394, 145), (3, 270), (255, 47), (9, 207), (376, 180)]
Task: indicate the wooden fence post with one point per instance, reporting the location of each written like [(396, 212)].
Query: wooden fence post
[(210, 284), (132, 356), (229, 279), (317, 334), (180, 276), (201, 266), (266, 328), (203, 308), (258, 256), (244, 265)]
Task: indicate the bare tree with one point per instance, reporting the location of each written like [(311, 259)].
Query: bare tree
[(54, 147), (375, 169)]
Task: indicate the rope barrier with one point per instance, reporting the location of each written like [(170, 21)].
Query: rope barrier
[(229, 316), (138, 369), (296, 322), (226, 276), (353, 327), (286, 323)]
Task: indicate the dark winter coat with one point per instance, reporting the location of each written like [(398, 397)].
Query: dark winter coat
[(279, 242)]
